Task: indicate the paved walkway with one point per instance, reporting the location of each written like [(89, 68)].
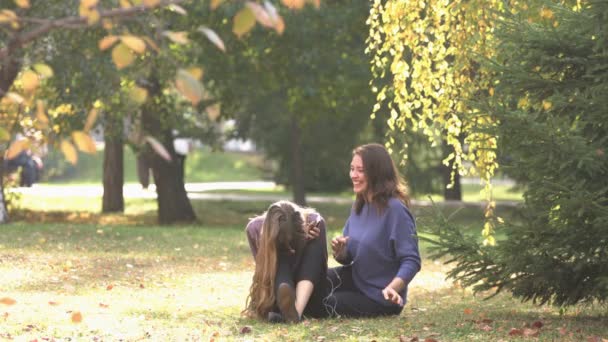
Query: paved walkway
[(200, 191)]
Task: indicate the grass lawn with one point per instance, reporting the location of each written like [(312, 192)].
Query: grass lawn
[(202, 165), (77, 275)]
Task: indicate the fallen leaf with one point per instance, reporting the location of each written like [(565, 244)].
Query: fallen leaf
[(109, 287), (245, 330), (76, 317), (52, 303), (515, 332), (530, 332), (102, 305), (537, 324), (562, 331), (468, 311), (7, 301), (430, 340), (408, 339)]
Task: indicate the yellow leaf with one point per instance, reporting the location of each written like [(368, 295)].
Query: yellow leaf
[(30, 80), (196, 72), (294, 4), (43, 70), (177, 37), (4, 134), (107, 42), (213, 111), (17, 147), (522, 103), (93, 17), (215, 3), (546, 13), (7, 301), (23, 3), (69, 151), (122, 56), (84, 142), (91, 118), (491, 91), (107, 24), (41, 113), (189, 86), (76, 317), (125, 4), (138, 94), (213, 37), (7, 16), (244, 21), (88, 3), (151, 3), (547, 105), (134, 43), (158, 148)]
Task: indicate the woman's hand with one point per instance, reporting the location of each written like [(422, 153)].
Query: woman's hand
[(313, 230), (338, 246), (392, 296)]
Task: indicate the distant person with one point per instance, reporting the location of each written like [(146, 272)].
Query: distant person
[(31, 167)]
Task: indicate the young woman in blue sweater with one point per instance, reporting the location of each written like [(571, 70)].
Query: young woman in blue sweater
[(379, 246)]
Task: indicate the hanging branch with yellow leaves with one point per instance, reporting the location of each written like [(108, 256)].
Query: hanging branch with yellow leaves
[(423, 60)]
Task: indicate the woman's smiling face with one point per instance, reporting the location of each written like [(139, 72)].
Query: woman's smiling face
[(357, 175)]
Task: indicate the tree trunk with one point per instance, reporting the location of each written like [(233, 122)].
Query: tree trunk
[(8, 73), (454, 192), (173, 202), (3, 209), (113, 166), (297, 175)]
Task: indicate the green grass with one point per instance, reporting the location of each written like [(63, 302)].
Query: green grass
[(202, 165), (133, 280)]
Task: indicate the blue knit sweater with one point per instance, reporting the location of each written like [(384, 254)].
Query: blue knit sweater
[(382, 246)]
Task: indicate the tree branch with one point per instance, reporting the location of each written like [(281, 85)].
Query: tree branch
[(46, 26)]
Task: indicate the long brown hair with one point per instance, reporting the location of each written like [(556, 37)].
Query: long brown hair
[(383, 180), (282, 232)]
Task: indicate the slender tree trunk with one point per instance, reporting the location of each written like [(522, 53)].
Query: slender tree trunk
[(8, 72), (3, 209), (113, 166), (9, 69), (173, 202), (297, 175), (454, 192)]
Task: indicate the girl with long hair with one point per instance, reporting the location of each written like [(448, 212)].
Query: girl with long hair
[(289, 246)]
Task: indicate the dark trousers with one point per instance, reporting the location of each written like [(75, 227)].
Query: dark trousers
[(310, 264), (334, 293), (344, 299)]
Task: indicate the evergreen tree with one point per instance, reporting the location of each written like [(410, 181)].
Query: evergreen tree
[(550, 102)]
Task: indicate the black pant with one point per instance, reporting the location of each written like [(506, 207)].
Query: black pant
[(334, 293), (310, 264), (344, 299)]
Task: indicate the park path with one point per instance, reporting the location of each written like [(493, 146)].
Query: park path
[(203, 191)]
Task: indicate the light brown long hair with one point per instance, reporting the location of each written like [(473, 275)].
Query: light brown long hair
[(282, 232), (383, 180)]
